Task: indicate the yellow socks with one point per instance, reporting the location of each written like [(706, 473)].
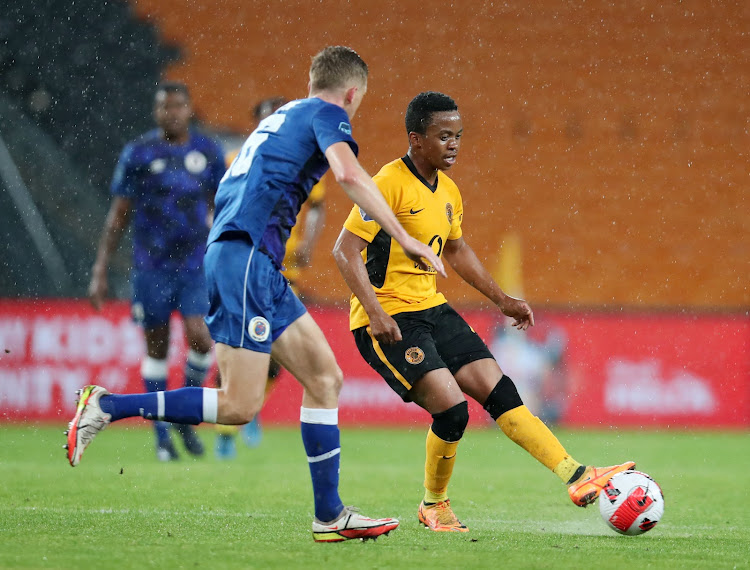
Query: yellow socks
[(568, 470), (227, 430), (438, 468), (528, 431)]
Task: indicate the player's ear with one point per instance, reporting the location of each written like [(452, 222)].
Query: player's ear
[(350, 93), (414, 140)]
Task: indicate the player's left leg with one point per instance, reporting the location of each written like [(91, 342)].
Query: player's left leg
[(197, 365), (304, 351), (505, 406), (154, 371)]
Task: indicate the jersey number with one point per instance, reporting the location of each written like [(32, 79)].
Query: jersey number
[(244, 159), (439, 242)]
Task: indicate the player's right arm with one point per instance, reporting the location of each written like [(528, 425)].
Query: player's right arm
[(348, 255), (117, 220), (362, 190)]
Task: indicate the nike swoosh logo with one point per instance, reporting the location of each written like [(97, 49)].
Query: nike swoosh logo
[(413, 211)]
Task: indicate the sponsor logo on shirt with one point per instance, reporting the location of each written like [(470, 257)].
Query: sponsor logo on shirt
[(345, 128)]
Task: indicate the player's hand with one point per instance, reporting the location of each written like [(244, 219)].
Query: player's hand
[(423, 256), (98, 289), (300, 258), (520, 311), (384, 329)]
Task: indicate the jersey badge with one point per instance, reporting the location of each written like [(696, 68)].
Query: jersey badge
[(195, 162), (449, 212), (345, 128), (157, 166), (259, 329), (414, 355)]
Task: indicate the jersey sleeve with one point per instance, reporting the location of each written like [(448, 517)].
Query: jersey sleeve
[(123, 180), (458, 217), (362, 225), (331, 125)]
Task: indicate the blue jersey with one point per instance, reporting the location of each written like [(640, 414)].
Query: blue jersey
[(171, 187), (266, 185)]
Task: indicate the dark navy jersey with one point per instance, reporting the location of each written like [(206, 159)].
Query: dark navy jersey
[(264, 188), (171, 187)]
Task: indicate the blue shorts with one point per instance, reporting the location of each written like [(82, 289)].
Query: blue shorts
[(251, 301), (157, 293)]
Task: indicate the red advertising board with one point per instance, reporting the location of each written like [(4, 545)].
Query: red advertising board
[(576, 369)]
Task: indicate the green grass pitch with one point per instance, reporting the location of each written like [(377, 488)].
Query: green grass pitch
[(120, 508)]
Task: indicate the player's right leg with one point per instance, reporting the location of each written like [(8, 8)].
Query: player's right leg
[(416, 372), (243, 372), (503, 403), (303, 350), (152, 306)]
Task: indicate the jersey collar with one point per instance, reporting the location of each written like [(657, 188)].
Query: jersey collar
[(410, 165)]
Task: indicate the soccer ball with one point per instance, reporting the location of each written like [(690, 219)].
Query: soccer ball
[(631, 503)]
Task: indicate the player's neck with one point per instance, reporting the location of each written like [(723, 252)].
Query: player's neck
[(175, 138), (427, 172), (333, 97)]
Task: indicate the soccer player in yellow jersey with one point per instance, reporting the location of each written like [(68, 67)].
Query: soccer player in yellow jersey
[(407, 332), (299, 248)]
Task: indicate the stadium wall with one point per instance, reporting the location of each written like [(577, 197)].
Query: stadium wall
[(575, 369), (610, 137)]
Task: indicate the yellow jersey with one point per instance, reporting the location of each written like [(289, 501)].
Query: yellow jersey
[(433, 215)]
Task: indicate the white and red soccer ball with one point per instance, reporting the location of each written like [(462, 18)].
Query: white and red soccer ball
[(631, 503)]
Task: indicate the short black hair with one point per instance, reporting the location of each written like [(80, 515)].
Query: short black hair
[(173, 87), (268, 106), (420, 110)]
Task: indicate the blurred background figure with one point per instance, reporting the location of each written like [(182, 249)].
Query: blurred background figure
[(166, 179), (299, 250)]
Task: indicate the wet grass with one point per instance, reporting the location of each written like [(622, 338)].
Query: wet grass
[(121, 508)]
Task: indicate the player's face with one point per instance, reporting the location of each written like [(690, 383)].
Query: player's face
[(172, 112), (439, 145)]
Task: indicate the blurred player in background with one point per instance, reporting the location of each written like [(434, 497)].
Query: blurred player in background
[(407, 332), (167, 179), (253, 310), (299, 249)]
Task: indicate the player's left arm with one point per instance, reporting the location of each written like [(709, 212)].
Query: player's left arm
[(464, 261), (315, 219)]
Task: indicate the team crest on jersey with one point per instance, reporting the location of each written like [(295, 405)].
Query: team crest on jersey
[(258, 329), (414, 355), (157, 166), (364, 215), (195, 162), (449, 212), (345, 128)]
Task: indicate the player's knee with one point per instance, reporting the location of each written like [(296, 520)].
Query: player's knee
[(326, 384), (238, 409), (238, 414), (451, 424), (504, 397)]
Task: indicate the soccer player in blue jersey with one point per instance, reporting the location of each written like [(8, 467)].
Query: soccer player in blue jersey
[(166, 179), (254, 313)]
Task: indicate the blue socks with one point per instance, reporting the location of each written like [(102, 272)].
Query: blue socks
[(196, 368), (320, 436), (182, 406)]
